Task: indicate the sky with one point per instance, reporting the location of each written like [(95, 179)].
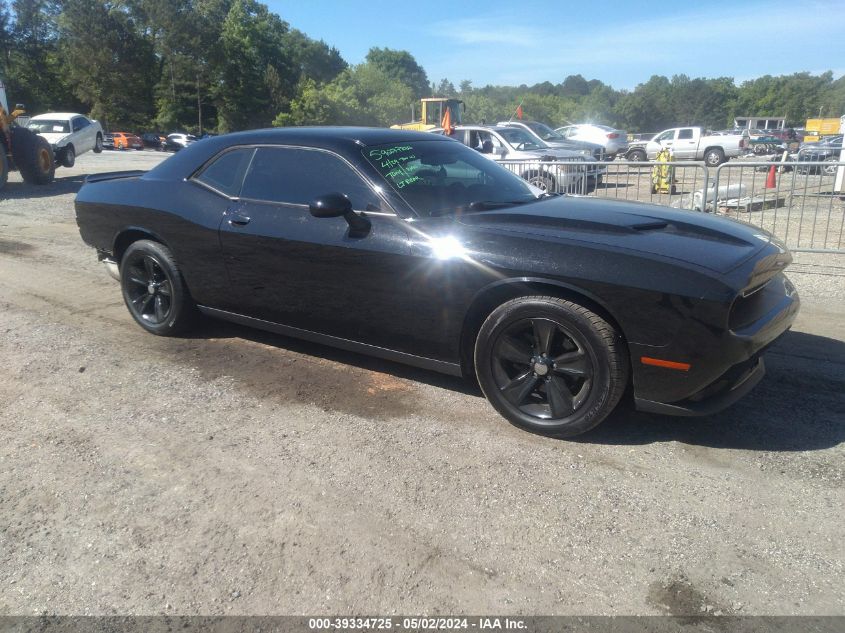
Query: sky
[(620, 42)]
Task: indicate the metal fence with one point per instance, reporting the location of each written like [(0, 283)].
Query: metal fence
[(796, 200)]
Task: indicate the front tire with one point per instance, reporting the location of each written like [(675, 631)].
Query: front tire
[(550, 366), (33, 156), (68, 157), (830, 170), (542, 181), (4, 167), (154, 291)]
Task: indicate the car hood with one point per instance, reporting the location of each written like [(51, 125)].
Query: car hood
[(54, 137), (710, 242)]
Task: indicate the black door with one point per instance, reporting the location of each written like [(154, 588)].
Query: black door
[(289, 267)]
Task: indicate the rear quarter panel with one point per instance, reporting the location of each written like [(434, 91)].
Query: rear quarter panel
[(183, 216)]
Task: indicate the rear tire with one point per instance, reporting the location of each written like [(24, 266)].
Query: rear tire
[(830, 170), (33, 156), (714, 157), (98, 144), (154, 291), (550, 366), (637, 156)]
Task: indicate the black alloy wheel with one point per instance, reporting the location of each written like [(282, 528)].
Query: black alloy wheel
[(542, 368), (550, 365), (153, 289)]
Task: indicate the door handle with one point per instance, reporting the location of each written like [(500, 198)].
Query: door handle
[(239, 219)]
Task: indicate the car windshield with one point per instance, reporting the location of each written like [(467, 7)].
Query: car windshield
[(49, 126), (545, 132), (441, 178), (521, 140)]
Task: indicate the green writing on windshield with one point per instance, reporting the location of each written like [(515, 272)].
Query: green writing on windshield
[(394, 164)]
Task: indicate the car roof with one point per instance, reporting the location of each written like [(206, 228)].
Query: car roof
[(56, 115), (343, 140)]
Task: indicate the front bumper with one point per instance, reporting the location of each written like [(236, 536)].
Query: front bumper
[(732, 386), (723, 367)]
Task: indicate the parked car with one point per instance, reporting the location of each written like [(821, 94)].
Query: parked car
[(412, 247), (615, 142), (177, 141), (829, 149), (553, 139), (691, 143), (152, 140), (69, 134), (127, 140), (549, 169)]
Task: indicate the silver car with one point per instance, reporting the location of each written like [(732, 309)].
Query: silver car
[(614, 141), (550, 169), (556, 140)]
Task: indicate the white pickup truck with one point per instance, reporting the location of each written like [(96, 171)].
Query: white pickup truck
[(690, 143)]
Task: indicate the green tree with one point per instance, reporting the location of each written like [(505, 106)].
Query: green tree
[(109, 65), (402, 67)]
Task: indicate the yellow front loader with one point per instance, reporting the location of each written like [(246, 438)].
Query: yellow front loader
[(432, 113), (22, 149)]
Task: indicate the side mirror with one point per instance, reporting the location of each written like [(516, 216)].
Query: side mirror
[(336, 205)]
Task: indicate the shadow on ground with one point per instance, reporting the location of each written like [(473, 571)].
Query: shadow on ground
[(60, 186), (797, 407)]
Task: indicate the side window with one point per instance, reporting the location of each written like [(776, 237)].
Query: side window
[(227, 171), (668, 135), (297, 176), (685, 134), (488, 144), (79, 123)]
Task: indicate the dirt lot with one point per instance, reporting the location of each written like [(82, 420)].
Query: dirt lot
[(241, 472)]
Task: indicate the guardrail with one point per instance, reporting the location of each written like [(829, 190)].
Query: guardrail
[(800, 204)]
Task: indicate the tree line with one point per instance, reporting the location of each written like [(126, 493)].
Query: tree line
[(224, 65)]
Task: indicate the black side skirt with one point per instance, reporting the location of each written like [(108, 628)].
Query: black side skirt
[(453, 369)]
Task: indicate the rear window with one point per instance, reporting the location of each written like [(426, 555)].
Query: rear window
[(226, 173)]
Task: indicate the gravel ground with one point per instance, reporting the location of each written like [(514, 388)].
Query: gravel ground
[(238, 472)]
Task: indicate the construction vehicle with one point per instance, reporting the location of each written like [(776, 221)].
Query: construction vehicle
[(22, 149), (816, 129), (432, 113)]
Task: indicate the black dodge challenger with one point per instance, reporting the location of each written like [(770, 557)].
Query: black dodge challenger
[(415, 248)]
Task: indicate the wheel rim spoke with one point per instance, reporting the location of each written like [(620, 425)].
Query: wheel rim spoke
[(515, 350), (518, 389), (159, 309), (137, 280), (164, 288), (572, 364), (559, 396), (149, 266), (141, 302), (544, 332)]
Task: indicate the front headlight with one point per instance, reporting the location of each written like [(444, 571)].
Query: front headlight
[(586, 152)]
